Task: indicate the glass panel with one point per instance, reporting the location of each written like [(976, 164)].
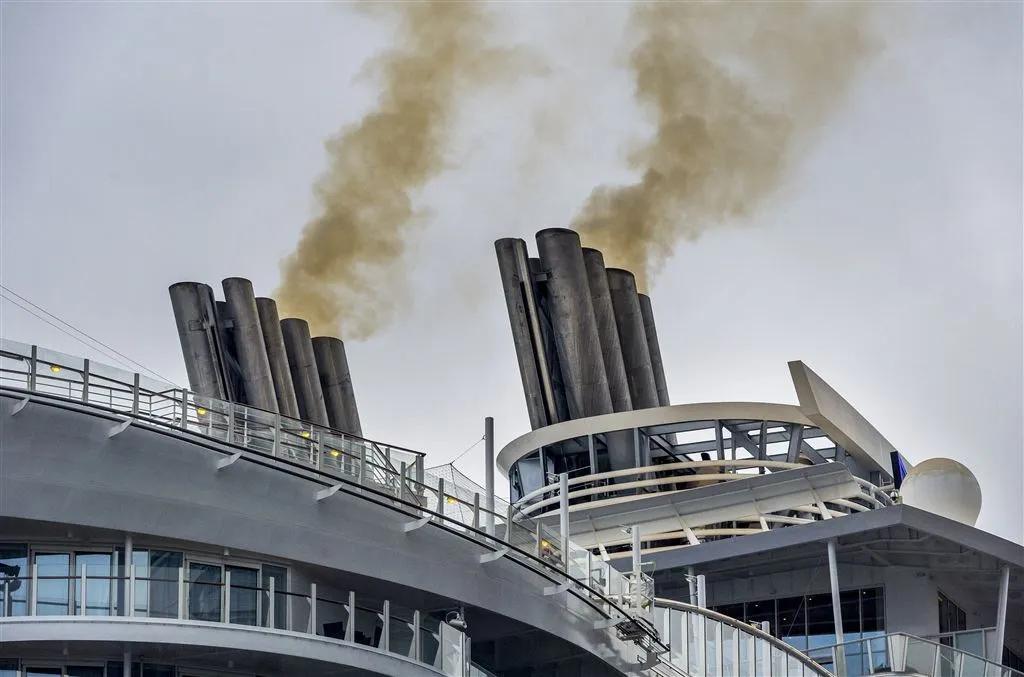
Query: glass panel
[(204, 592), (53, 596), (712, 646), (453, 651), (99, 583), (13, 574), (762, 657), (280, 577), (400, 631), (163, 584), (795, 668), (792, 618), (920, 656), (42, 672), (778, 662), (971, 642), (244, 595), (872, 610), (761, 612), (695, 644), (972, 665), (849, 607), (677, 637), (820, 621), (430, 642), (369, 627), (729, 650)]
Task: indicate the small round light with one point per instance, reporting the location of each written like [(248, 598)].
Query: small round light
[(200, 411), (335, 453), (451, 500), (305, 433), (54, 368), (545, 544)]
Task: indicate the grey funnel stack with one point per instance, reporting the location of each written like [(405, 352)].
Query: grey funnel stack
[(573, 323), (336, 384), (239, 350), (305, 377), (585, 340)]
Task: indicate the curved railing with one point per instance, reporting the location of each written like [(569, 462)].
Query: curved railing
[(902, 654), (171, 595), (619, 487), (338, 462), (704, 643)]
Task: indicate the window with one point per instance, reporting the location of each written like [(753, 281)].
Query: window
[(951, 617)]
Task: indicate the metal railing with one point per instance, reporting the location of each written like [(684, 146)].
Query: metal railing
[(170, 594), (390, 476), (900, 653), (704, 643)]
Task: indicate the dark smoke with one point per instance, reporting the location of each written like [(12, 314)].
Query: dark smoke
[(345, 273), (734, 89)]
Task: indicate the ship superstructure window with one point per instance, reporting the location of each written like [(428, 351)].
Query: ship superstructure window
[(806, 622), (951, 617), (156, 589)]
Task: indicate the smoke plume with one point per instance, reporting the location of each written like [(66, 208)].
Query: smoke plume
[(734, 88), (345, 273)]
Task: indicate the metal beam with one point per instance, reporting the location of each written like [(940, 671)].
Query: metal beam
[(837, 616), (796, 439), (1004, 595)]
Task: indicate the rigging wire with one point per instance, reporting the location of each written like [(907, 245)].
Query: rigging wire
[(69, 329), (468, 449)]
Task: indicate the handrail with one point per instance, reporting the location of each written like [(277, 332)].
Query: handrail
[(117, 600), (837, 650), (184, 421), (597, 478), (744, 628)]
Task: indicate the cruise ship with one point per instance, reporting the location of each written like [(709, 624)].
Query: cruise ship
[(246, 526)]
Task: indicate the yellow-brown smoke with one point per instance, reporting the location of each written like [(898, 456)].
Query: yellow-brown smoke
[(344, 276), (734, 88)]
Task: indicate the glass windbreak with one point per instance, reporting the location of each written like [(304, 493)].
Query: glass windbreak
[(278, 576), (100, 588), (205, 592), (244, 595), (53, 594)]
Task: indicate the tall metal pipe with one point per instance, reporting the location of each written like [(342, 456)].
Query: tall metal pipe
[(298, 347), (336, 384), (560, 412), (607, 330), (273, 339), (229, 356), (196, 318), (574, 323), (654, 348), (250, 348), (642, 388), (520, 300)]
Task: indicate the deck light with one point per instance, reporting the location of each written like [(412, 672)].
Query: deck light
[(54, 368)]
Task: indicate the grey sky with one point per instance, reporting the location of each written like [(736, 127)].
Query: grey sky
[(145, 144)]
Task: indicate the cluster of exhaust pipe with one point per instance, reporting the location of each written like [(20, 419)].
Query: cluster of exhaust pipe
[(585, 338), (239, 350)]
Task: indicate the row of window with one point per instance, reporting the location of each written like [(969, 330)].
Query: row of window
[(111, 669), (807, 622), (59, 588)]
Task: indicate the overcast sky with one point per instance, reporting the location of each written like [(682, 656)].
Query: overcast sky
[(145, 144)]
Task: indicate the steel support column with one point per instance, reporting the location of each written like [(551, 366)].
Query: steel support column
[(1004, 594), (837, 615), (489, 474)]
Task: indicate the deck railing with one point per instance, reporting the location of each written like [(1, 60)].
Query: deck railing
[(899, 653), (389, 475), (170, 594)]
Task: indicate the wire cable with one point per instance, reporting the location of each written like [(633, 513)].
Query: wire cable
[(469, 449), (71, 330)]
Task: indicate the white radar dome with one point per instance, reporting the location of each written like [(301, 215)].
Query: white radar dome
[(944, 487)]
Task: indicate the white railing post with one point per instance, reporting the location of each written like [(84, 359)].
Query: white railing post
[(385, 640), (362, 464), (183, 424), (440, 495), (135, 394), (84, 579), (276, 451), (401, 482), (416, 640), (85, 380), (563, 517), (231, 423), (130, 597), (271, 616), (350, 627), (312, 609), (34, 597), (226, 592), (476, 510), (33, 363), (182, 597)]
